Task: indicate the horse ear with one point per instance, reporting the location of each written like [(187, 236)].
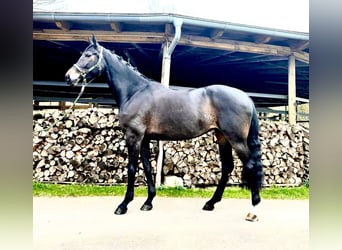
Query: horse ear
[(93, 40)]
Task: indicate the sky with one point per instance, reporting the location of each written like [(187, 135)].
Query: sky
[(290, 15)]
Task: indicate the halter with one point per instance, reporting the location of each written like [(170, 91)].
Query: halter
[(85, 72)]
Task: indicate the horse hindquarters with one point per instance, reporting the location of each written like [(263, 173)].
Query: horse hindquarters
[(248, 150), (237, 119)]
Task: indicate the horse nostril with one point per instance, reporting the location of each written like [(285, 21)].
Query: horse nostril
[(67, 78)]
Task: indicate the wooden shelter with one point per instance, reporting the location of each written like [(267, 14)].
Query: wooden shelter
[(271, 65), (180, 51)]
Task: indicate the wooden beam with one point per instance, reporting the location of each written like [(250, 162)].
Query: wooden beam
[(63, 25), (302, 56), (166, 65), (214, 57), (216, 34), (299, 46), (261, 39), (292, 90), (184, 52), (157, 37), (102, 36), (116, 27), (142, 51), (237, 46), (258, 59)]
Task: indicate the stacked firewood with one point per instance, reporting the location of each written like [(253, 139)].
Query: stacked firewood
[(88, 146), (85, 146), (285, 153)]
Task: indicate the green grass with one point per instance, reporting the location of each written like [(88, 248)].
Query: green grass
[(74, 190)]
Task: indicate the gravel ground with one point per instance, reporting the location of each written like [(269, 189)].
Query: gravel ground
[(174, 223)]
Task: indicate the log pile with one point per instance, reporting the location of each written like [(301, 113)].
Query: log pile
[(88, 146), (285, 153)]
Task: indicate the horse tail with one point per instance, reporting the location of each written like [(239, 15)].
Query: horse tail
[(252, 174)]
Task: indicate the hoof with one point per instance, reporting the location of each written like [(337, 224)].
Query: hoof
[(146, 207), (208, 207), (120, 210), (252, 217)]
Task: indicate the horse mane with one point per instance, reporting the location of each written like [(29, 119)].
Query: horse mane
[(130, 66)]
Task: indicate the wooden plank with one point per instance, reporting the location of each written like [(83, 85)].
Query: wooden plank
[(302, 56), (155, 37), (258, 59), (215, 58), (102, 36), (237, 46)]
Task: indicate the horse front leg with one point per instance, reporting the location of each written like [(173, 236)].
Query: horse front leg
[(145, 158), (133, 145)]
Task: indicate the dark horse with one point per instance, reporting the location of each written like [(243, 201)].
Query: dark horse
[(151, 111)]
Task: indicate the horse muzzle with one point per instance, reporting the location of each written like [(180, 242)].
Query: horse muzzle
[(73, 77)]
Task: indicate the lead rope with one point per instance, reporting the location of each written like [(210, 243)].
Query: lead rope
[(84, 84)]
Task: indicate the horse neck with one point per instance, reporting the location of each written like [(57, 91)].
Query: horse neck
[(123, 80)]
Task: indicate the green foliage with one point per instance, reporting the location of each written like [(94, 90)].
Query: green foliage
[(74, 190)]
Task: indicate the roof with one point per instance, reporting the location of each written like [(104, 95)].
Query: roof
[(254, 59)]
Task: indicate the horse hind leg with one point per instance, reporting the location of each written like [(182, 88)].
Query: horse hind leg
[(226, 156), (252, 177), (253, 173), (250, 155)]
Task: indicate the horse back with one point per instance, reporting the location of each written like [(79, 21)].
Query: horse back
[(163, 113)]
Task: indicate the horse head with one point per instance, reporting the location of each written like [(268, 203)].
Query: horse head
[(89, 66)]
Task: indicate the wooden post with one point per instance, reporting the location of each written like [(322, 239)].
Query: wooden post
[(166, 65), (165, 79), (62, 105), (292, 90)]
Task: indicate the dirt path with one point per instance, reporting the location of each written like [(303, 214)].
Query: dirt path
[(174, 223)]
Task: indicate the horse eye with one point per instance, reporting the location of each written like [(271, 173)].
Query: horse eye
[(88, 54)]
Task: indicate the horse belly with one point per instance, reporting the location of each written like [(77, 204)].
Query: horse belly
[(179, 115), (180, 125)]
